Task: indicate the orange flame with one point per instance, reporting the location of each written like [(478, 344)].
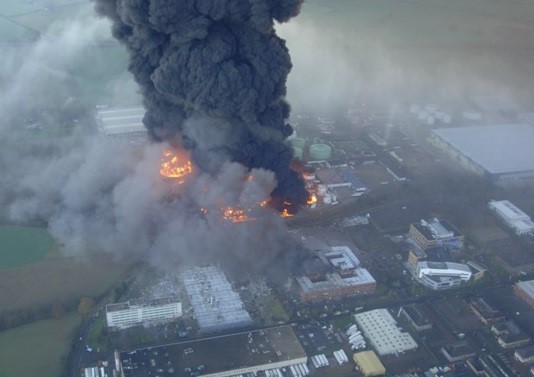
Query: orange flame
[(312, 200), (173, 167), (286, 213), (235, 215)]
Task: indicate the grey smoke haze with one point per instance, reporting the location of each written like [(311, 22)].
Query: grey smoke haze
[(99, 196), (220, 61), (338, 63)]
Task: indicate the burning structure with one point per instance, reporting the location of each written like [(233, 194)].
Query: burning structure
[(213, 79), (336, 273)]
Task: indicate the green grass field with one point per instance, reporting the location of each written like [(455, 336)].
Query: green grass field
[(37, 349), (20, 246)]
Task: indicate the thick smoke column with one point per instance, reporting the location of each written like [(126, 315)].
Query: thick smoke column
[(213, 76)]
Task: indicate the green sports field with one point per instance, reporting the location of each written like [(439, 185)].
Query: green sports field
[(20, 246)]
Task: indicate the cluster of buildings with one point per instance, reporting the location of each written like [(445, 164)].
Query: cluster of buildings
[(338, 274), (433, 243)]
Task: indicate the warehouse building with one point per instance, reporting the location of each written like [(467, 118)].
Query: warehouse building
[(369, 363), (500, 152), (525, 291), (134, 312), (512, 216), (217, 306), (436, 233), (121, 122), (442, 275), (383, 332), (266, 350)]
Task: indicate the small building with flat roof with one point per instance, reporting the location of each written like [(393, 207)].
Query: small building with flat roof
[(369, 363), (458, 351), (415, 315), (485, 312), (509, 335)]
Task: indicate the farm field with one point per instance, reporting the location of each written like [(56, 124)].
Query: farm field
[(33, 270), (59, 279), (22, 245), (37, 349)]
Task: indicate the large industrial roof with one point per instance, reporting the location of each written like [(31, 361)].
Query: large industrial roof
[(384, 334), (499, 149), (121, 120), (216, 304), (216, 354)]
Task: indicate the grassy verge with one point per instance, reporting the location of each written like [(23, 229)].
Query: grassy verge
[(37, 349)]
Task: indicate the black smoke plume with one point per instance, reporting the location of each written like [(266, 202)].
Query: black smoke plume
[(214, 67)]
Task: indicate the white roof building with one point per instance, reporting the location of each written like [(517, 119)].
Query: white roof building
[(217, 306), (121, 120), (516, 219), (134, 312), (439, 275), (383, 333)]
